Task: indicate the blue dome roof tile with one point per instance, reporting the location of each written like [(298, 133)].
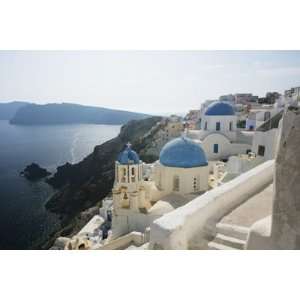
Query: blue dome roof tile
[(128, 156), (183, 153), (220, 108)]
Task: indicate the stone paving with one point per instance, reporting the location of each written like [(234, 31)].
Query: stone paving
[(254, 209)]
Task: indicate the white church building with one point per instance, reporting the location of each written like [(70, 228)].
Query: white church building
[(143, 195), (180, 174), (219, 134)]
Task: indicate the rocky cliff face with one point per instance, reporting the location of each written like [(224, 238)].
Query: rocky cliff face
[(84, 185), (87, 182)]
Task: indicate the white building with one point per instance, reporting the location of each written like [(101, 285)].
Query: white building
[(293, 93), (266, 136), (218, 132), (179, 176), (257, 117)]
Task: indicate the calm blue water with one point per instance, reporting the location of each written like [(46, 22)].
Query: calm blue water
[(23, 218)]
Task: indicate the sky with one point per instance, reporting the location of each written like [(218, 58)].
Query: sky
[(155, 82)]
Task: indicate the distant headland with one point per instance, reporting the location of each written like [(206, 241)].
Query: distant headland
[(25, 113)]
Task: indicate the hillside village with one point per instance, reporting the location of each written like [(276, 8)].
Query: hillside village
[(226, 179)]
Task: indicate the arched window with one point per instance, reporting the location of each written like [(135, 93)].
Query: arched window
[(123, 175), (132, 174), (176, 183)]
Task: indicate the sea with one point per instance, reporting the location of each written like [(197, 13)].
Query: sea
[(24, 221)]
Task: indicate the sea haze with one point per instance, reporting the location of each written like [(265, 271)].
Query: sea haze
[(24, 222)]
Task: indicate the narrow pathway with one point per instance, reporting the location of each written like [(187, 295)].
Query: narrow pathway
[(233, 229)]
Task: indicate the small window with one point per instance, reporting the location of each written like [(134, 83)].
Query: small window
[(218, 126), (216, 148), (261, 150), (205, 126), (132, 172), (230, 126)]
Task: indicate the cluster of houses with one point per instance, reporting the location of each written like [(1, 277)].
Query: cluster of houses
[(212, 168)]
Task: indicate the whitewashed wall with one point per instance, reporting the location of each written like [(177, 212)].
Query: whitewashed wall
[(268, 139), (164, 178), (224, 129), (226, 148), (192, 225)]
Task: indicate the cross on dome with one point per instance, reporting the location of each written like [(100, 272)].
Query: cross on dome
[(128, 156)]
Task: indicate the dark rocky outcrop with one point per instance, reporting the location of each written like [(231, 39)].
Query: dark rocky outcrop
[(34, 172)]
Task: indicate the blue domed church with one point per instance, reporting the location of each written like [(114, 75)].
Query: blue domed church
[(182, 167), (180, 174), (219, 134)]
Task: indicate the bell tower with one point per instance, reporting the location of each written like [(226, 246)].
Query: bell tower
[(128, 178)]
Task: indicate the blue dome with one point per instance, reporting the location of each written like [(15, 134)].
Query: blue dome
[(128, 156), (219, 108), (183, 153)]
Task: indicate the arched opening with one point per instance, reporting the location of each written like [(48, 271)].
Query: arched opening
[(123, 175), (132, 174), (216, 148), (81, 246)]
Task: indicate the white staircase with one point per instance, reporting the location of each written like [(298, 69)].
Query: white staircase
[(229, 237)]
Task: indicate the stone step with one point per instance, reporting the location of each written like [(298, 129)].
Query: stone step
[(239, 232), (230, 241), (215, 246)]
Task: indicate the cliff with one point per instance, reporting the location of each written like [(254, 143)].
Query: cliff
[(65, 113), (84, 185), (8, 110)]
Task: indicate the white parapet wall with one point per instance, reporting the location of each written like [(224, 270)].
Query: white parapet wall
[(137, 238), (193, 225)]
